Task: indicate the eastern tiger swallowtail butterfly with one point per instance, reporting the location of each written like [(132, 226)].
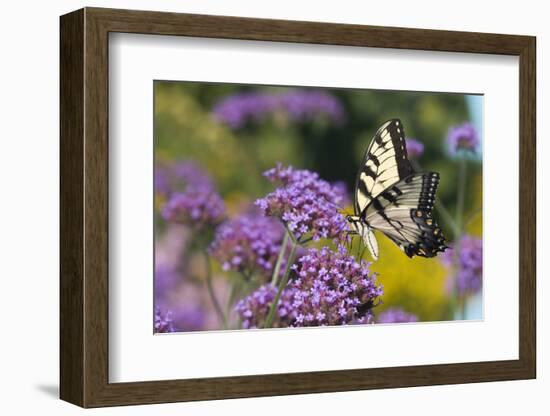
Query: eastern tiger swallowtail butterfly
[(393, 199)]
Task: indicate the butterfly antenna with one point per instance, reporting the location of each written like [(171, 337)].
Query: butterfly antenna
[(341, 209)]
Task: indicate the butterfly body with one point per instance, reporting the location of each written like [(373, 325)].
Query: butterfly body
[(393, 199)]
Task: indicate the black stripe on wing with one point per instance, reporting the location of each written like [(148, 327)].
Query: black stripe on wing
[(404, 214), (397, 134), (385, 162)]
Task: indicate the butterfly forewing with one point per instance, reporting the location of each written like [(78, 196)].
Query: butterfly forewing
[(384, 163)]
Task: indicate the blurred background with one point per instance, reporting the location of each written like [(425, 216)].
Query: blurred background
[(232, 133)]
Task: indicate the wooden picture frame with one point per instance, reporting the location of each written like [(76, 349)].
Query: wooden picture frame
[(84, 207)]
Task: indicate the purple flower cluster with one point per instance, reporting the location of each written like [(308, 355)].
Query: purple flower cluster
[(332, 288), (188, 318), (469, 271), (415, 148), (166, 278), (195, 201), (395, 315), (305, 203), (175, 177), (253, 309), (236, 110), (162, 180), (299, 105), (195, 207), (163, 321), (326, 288), (249, 243), (463, 139), (306, 105)]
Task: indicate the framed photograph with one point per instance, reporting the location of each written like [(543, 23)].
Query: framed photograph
[(263, 207)]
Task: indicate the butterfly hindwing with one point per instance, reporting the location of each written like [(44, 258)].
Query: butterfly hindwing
[(385, 162), (403, 212)]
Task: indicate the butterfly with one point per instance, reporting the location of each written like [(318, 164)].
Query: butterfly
[(393, 199)]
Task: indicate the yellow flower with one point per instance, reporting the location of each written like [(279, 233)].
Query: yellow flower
[(417, 285)]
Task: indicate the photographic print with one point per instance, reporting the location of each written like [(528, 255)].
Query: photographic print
[(290, 207)]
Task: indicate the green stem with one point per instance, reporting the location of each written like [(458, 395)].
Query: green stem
[(230, 299), (440, 207), (282, 284), (472, 218), (460, 196), (458, 221), (212, 294), (277, 268)]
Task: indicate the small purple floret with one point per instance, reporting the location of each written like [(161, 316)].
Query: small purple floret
[(248, 244), (470, 265), (463, 138), (395, 315), (192, 199), (196, 207), (415, 148), (163, 321)]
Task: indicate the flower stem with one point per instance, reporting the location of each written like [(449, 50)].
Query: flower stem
[(282, 284), (277, 268), (473, 216), (457, 301), (460, 195), (212, 294), (440, 207), (235, 289)]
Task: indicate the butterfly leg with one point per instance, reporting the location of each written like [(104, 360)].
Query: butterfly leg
[(362, 252), (349, 241), (365, 230)]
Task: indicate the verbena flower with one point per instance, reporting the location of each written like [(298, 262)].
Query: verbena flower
[(166, 278), (188, 172), (341, 189), (415, 148), (193, 200), (238, 109), (469, 271), (196, 207), (463, 139), (176, 176), (307, 105), (248, 244), (395, 315), (163, 321), (253, 309), (326, 288), (299, 105), (304, 203), (332, 288), (188, 318), (162, 180)]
